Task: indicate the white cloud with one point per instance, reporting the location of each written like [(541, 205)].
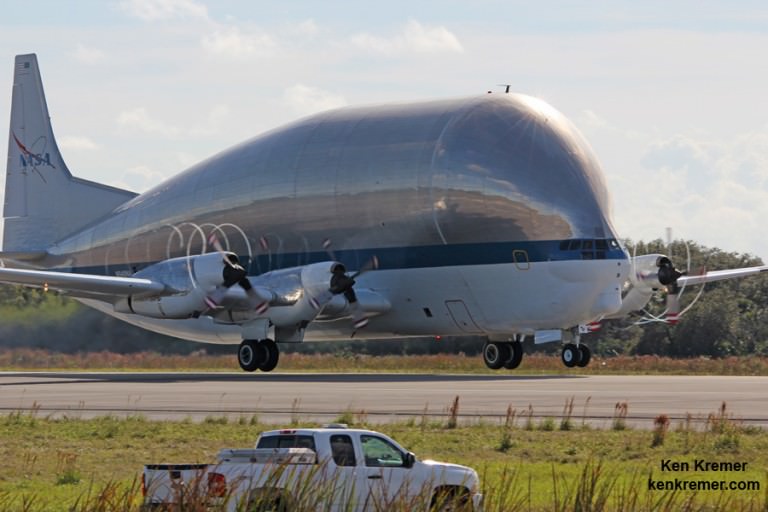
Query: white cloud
[(140, 178), (139, 119), (708, 189), (187, 160), (680, 152), (156, 10), (304, 99), (77, 143), (217, 115), (230, 42), (413, 38), (591, 119), (88, 55), (307, 28)]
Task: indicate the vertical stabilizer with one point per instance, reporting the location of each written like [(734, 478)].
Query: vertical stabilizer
[(43, 201)]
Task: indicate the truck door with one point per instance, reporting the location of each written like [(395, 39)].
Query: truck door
[(344, 475), (383, 474)]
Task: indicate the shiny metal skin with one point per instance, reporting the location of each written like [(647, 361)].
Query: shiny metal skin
[(469, 173)]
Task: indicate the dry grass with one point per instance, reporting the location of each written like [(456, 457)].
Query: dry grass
[(28, 359), (581, 469)]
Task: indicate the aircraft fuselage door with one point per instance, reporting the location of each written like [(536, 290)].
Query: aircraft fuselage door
[(462, 317)]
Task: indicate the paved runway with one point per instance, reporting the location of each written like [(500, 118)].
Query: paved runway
[(281, 397)]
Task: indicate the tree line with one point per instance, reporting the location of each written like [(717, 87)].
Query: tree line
[(730, 318)]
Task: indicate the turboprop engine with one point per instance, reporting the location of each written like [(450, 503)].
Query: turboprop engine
[(194, 285), (299, 294), (651, 272)]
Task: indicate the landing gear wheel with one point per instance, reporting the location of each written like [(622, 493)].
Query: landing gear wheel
[(273, 355), (250, 355), (496, 354), (586, 355), (571, 355), (516, 350)]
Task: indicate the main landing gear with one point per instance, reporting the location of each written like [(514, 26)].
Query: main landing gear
[(576, 355), (258, 355), (498, 354)]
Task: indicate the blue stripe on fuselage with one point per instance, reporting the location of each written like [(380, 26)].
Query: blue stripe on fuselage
[(393, 258)]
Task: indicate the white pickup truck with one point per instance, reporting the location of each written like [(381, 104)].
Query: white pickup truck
[(334, 469)]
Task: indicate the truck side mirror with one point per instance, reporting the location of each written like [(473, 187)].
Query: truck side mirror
[(409, 460)]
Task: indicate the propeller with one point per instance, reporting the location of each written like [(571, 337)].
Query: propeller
[(343, 284), (233, 274), (668, 276)]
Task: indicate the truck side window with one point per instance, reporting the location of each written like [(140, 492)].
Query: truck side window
[(342, 450), (379, 452), (287, 441)]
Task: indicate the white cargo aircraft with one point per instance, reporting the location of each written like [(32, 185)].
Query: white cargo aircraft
[(484, 216)]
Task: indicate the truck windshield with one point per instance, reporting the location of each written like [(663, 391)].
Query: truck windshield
[(287, 441)]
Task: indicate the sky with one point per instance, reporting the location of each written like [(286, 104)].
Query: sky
[(671, 95)]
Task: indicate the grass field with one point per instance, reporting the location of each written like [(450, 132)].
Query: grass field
[(28, 359), (529, 464), (76, 464)]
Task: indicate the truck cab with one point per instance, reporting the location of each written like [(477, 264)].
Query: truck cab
[(332, 468)]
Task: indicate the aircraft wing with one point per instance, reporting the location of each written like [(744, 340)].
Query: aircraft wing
[(720, 275), (107, 285)]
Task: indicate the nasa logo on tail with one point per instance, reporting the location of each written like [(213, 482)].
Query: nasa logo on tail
[(34, 160)]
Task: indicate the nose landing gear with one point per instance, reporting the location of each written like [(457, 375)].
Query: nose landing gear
[(576, 355)]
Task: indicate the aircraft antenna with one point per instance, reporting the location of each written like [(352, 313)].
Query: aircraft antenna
[(506, 87)]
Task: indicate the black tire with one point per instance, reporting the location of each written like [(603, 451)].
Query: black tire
[(265, 504), (450, 500), (570, 355), (496, 354), (586, 355), (250, 355), (516, 357), (272, 355), (269, 500)]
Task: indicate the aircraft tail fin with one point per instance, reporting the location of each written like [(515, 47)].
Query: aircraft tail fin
[(43, 201)]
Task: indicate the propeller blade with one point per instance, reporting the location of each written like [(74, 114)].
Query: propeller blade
[(213, 299), (359, 320), (321, 300), (327, 246), (672, 315), (214, 241), (371, 264)]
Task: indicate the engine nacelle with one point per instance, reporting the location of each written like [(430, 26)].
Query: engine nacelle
[(293, 290), (650, 272), (315, 282), (189, 279), (646, 271)]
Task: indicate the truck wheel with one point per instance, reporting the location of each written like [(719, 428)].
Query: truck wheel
[(262, 506), (450, 499)]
